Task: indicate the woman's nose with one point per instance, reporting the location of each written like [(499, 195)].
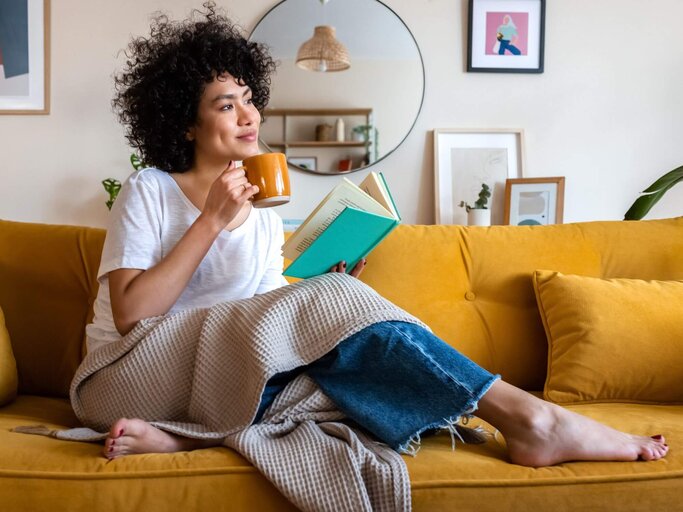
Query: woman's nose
[(247, 116)]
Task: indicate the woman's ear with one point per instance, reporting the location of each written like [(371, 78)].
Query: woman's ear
[(189, 134)]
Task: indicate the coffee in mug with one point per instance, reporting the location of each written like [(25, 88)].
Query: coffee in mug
[(269, 172)]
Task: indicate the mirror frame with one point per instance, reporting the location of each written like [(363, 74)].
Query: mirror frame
[(412, 125)]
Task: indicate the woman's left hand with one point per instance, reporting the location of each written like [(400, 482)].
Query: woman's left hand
[(341, 267)]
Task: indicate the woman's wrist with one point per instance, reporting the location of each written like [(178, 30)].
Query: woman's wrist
[(211, 226)]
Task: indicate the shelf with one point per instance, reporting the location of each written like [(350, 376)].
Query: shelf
[(318, 144), (317, 112), (300, 128)]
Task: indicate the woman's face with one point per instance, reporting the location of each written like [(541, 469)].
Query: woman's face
[(227, 125)]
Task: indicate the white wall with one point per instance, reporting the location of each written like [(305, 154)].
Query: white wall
[(606, 113)]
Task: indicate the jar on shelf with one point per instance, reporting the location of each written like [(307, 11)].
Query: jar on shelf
[(323, 132), (339, 129)]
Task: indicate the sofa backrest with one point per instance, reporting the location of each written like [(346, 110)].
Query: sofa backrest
[(471, 285), (47, 285)]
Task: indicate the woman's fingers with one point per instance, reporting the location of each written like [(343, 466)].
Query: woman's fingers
[(341, 267), (237, 185), (358, 268)]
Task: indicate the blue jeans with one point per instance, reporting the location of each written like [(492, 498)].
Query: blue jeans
[(506, 45), (394, 379)]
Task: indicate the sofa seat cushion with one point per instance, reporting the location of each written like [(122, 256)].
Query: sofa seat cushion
[(8, 365), (477, 478), (40, 473), (43, 473)]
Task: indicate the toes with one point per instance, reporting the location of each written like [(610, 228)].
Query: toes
[(654, 450), (118, 428)]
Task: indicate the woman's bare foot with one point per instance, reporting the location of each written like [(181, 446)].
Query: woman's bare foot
[(129, 436), (539, 433)]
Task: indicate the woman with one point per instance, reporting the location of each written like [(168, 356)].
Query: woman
[(187, 236), (507, 37)]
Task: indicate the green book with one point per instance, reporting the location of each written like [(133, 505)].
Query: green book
[(347, 225)]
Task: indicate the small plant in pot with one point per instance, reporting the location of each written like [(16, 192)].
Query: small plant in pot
[(479, 214)]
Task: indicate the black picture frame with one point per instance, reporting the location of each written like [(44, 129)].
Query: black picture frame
[(479, 60)]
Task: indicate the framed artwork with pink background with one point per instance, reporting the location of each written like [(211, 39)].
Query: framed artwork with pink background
[(506, 36)]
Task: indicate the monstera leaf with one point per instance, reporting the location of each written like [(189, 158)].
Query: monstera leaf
[(136, 162), (652, 194)]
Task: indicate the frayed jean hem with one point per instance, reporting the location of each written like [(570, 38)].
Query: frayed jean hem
[(453, 425), (397, 380)]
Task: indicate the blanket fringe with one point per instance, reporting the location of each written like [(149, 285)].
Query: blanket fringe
[(73, 434), (39, 430)]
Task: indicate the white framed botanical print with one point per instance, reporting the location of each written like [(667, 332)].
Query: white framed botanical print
[(464, 159)]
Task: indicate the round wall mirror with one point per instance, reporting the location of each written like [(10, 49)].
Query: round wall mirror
[(349, 85)]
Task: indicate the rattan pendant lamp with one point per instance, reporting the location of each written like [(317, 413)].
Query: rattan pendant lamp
[(323, 52)]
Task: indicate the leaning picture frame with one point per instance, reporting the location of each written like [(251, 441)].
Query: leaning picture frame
[(464, 159), (534, 201), (309, 163), (25, 57), (506, 36)]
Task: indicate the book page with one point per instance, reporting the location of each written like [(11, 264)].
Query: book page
[(343, 195), (374, 186)]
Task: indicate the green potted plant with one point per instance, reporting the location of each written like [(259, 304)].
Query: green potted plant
[(653, 193), (361, 133), (113, 186), (479, 214)]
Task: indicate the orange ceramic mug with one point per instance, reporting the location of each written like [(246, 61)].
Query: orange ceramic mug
[(269, 172)]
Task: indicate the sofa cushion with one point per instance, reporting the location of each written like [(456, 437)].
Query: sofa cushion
[(8, 365), (47, 287), (473, 286), (41, 473), (611, 340)]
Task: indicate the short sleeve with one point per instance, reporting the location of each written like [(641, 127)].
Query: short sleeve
[(134, 230)]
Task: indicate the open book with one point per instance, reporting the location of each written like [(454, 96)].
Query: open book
[(346, 225)]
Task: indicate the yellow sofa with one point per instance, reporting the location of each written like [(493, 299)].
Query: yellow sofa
[(473, 286)]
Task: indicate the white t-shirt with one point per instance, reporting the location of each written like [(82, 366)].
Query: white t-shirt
[(150, 216)]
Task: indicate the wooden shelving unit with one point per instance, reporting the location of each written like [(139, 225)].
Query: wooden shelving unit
[(287, 113), (316, 144)]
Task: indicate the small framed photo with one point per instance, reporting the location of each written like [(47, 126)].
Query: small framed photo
[(25, 57), (291, 225), (464, 159), (506, 36), (309, 163), (534, 201)]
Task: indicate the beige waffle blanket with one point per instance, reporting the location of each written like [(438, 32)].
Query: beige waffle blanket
[(200, 373)]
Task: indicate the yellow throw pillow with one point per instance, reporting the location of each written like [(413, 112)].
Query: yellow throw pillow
[(611, 340), (8, 366)]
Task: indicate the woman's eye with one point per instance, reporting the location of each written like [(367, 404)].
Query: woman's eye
[(249, 101), (227, 107)]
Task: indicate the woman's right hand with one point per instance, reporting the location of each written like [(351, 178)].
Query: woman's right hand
[(227, 195), (137, 294)]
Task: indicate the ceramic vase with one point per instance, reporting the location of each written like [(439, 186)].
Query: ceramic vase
[(479, 217)]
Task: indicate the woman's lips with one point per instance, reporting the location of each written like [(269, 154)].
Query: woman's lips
[(248, 137)]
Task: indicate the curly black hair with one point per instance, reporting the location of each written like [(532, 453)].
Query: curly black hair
[(158, 91)]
